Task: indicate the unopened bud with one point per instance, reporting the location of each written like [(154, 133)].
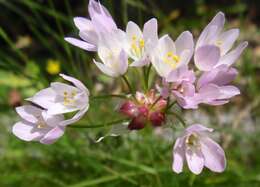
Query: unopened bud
[(129, 109), (157, 118), (137, 123)]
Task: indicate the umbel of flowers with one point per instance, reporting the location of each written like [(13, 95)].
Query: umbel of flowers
[(213, 54)]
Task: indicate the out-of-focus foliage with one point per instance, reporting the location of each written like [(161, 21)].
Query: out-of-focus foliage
[(31, 35)]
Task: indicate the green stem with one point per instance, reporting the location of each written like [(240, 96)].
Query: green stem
[(145, 78), (170, 105), (178, 117), (98, 125), (148, 75), (129, 85), (108, 96)]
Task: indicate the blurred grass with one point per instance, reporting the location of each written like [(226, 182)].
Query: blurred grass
[(32, 32)]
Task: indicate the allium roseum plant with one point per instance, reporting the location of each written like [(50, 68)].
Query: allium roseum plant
[(209, 82)]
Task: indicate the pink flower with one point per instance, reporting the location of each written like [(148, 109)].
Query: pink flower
[(100, 23), (198, 150), (38, 125), (211, 88), (213, 45), (62, 98)]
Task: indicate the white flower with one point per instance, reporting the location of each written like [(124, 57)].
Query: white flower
[(100, 22), (62, 98), (139, 43), (169, 55), (37, 125), (112, 54)]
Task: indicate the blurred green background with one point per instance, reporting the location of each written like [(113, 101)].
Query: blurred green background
[(33, 52)]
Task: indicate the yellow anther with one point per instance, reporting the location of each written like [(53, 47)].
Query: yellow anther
[(141, 43), (134, 37), (171, 59), (169, 54), (65, 93), (219, 43), (192, 140), (176, 58), (73, 93), (41, 125)]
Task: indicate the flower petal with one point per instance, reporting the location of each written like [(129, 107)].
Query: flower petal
[(76, 82), (232, 56), (197, 128), (178, 155), (133, 29), (53, 135), (90, 37), (44, 98), (24, 131), (122, 62), (52, 120), (195, 160), (83, 24), (76, 117), (226, 92), (212, 30), (81, 44), (185, 42), (206, 57), (29, 113), (220, 76), (214, 155), (228, 38), (106, 70), (59, 108), (150, 34)]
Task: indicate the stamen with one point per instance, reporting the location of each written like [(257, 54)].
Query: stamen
[(218, 43), (141, 43), (192, 141), (171, 59)]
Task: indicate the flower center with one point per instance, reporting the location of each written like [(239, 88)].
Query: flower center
[(171, 59), (137, 46), (40, 123), (192, 141), (218, 43), (69, 98)]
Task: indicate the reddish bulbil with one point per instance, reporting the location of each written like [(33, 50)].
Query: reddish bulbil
[(146, 107), (129, 109), (137, 123), (157, 118)]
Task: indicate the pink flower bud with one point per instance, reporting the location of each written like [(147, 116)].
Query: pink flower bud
[(129, 109), (142, 110), (157, 118), (137, 123), (160, 105)]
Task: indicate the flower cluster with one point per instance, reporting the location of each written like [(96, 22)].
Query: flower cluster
[(210, 83)]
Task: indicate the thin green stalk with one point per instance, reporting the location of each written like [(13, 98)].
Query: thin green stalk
[(148, 75), (98, 125), (145, 78), (169, 106), (178, 117), (129, 85), (109, 96)]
